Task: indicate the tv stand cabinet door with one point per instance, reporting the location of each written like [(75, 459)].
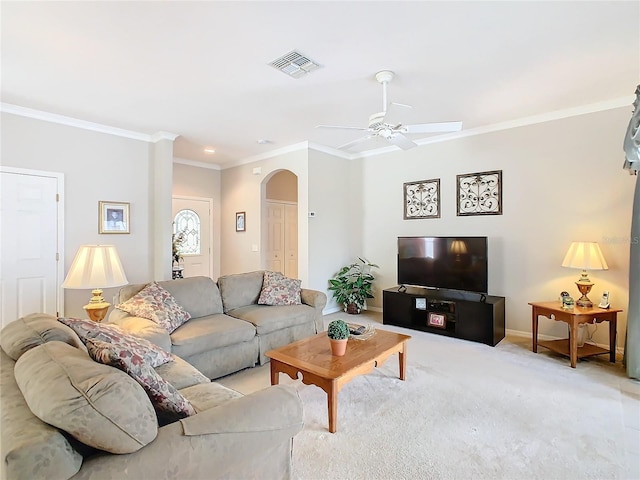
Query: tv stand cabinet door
[(398, 309), (475, 322)]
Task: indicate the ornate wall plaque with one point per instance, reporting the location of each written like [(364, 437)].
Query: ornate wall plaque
[(422, 199), (480, 193)]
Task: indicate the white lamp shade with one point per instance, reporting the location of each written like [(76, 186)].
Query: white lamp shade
[(585, 255), (95, 266)]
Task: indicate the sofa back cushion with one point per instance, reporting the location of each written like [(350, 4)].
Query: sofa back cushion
[(33, 330), (30, 447), (197, 295), (240, 289), (98, 405)]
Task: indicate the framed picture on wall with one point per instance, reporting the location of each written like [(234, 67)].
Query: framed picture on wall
[(241, 225), (113, 217)]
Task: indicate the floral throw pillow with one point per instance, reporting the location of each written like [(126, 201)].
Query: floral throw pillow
[(158, 305), (86, 329), (279, 290), (168, 402)]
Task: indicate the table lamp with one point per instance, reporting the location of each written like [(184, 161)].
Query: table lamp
[(587, 256), (96, 267)]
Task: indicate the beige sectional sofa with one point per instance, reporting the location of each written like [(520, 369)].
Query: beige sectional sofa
[(46, 373), (65, 415), (228, 330)]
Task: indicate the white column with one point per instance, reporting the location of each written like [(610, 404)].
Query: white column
[(160, 217)]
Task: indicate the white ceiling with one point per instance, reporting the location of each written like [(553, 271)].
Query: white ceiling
[(200, 69)]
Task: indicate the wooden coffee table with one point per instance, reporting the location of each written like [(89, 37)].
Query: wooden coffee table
[(312, 358)]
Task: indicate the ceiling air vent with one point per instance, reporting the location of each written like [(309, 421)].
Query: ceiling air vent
[(295, 64)]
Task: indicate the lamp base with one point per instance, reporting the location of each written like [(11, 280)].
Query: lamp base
[(584, 288), (97, 308)]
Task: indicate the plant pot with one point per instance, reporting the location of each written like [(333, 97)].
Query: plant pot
[(352, 309), (338, 347)]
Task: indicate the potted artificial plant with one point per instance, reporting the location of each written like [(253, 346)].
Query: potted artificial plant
[(338, 333), (353, 284)]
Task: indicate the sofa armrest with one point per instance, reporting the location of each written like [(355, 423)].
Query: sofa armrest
[(317, 300), (249, 437), (143, 328)]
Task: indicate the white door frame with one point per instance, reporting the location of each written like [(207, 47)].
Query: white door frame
[(213, 251), (60, 229)]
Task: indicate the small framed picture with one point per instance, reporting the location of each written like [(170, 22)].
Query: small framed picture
[(437, 320), (421, 303), (113, 217), (241, 225)]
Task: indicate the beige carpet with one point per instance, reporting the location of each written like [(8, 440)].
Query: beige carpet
[(469, 411)]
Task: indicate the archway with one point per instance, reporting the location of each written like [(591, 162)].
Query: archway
[(280, 223)]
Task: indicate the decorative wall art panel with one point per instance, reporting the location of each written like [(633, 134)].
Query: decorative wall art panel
[(480, 193), (422, 199)]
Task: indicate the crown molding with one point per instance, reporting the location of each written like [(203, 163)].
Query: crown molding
[(156, 137), (72, 122), (193, 163), (85, 125)]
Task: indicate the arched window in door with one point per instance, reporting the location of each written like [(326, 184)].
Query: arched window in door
[(187, 222)]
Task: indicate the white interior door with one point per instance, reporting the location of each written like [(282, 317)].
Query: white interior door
[(30, 231), (282, 238), (275, 237), (291, 240), (194, 216)]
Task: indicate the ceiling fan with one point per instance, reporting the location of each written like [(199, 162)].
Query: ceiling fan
[(381, 124)]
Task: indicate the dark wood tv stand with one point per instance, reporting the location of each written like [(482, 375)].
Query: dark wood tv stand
[(466, 315)]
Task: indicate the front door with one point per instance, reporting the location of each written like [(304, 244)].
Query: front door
[(31, 272), (192, 216)]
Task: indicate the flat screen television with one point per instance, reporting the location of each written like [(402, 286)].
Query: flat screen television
[(454, 263)]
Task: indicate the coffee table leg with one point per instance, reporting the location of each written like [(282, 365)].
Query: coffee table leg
[(275, 376), (332, 401), (402, 359)]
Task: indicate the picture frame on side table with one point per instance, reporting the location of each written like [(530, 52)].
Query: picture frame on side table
[(113, 217), (437, 320), (241, 224)]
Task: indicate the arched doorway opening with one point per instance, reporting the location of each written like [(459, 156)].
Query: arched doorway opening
[(280, 223)]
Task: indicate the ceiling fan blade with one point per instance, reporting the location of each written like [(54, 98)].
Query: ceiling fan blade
[(432, 127), (401, 141), (355, 142), (341, 127)]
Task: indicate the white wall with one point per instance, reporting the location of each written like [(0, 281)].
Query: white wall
[(562, 182), (96, 166), (336, 230), (242, 191)]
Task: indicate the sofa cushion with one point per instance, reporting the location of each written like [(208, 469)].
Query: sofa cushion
[(268, 318), (240, 289), (31, 448), (32, 330), (198, 295), (209, 395), (208, 333), (181, 374), (279, 290), (169, 404), (156, 304), (96, 404), (87, 329)]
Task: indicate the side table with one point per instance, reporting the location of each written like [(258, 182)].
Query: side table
[(573, 318)]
